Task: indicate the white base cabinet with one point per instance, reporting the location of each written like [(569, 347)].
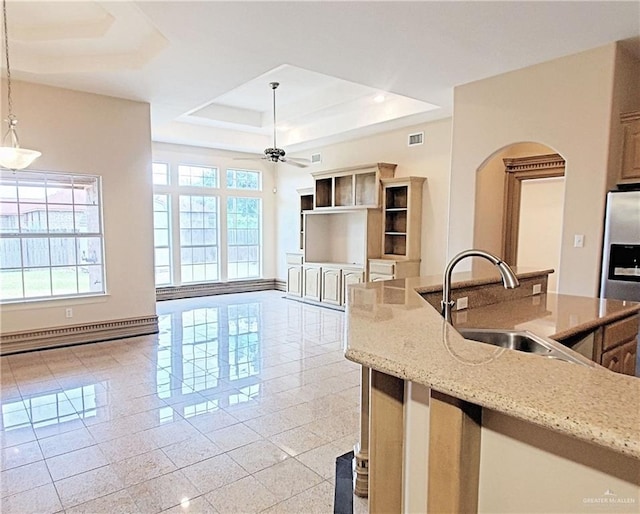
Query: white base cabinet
[(311, 282), (330, 286)]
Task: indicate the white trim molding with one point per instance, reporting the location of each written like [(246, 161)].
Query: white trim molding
[(215, 288), (40, 339)]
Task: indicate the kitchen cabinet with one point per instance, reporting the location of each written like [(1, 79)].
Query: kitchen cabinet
[(311, 278), (630, 170), (330, 286), (350, 276), (389, 269), (616, 345)]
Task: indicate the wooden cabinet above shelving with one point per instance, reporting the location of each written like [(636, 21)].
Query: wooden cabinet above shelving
[(351, 188)]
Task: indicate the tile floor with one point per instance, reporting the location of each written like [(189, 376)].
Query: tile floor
[(240, 404)]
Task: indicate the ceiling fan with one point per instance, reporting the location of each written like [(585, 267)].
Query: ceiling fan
[(276, 154)]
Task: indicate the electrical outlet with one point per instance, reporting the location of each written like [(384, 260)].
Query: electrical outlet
[(462, 303), (537, 288), (68, 313)]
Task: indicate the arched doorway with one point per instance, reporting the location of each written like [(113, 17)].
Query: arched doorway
[(519, 206)]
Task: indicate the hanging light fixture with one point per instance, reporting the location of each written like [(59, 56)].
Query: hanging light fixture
[(11, 155)]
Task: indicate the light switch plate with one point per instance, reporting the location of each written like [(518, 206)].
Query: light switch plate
[(462, 303), (537, 288), (578, 240)]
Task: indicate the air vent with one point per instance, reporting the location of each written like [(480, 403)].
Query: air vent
[(416, 139), (316, 157)]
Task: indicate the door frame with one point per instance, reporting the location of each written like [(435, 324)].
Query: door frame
[(516, 170)]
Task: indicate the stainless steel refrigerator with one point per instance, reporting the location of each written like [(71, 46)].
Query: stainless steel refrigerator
[(620, 277)]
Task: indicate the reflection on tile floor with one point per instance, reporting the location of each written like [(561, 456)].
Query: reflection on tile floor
[(240, 404)]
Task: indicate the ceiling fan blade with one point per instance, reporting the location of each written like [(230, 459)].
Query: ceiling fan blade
[(300, 160), (294, 163), (248, 158)]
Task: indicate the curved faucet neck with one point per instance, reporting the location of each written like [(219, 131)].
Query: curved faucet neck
[(509, 279)]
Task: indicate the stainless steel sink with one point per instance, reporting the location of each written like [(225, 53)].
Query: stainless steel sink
[(524, 341)]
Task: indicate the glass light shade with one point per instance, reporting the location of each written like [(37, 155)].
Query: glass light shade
[(17, 158)]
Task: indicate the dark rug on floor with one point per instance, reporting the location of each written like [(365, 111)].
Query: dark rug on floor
[(343, 498)]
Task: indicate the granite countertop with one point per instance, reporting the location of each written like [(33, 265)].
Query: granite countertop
[(392, 329)]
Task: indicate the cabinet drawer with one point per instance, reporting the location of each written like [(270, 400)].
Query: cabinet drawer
[(375, 277), (382, 268), (619, 332)]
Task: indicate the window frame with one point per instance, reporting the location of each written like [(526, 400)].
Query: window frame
[(42, 179)]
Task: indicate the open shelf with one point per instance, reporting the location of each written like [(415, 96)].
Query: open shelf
[(324, 192), (396, 197), (366, 184), (344, 191), (306, 204), (395, 244)]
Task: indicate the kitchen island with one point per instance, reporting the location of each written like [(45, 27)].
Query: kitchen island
[(457, 425)]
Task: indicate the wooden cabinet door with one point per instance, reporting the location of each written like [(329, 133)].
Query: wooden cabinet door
[(350, 277), (294, 280), (311, 283), (611, 360), (631, 148), (330, 286), (627, 355)]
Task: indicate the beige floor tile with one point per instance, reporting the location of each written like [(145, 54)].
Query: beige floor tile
[(288, 478), (119, 502), (87, 486), (297, 440), (76, 462), (211, 421), (258, 455), (360, 505), (143, 467), (322, 460), (17, 436), (271, 424), (21, 454), (17, 480), (127, 446), (171, 433), (245, 496), (197, 505), (212, 473), (66, 442), (41, 500), (316, 500), (163, 492), (192, 450), (303, 400), (233, 437)]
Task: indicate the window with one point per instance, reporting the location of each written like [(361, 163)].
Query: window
[(162, 238), (160, 173), (51, 241), (243, 237), (207, 224), (198, 238), (243, 179), (197, 176)]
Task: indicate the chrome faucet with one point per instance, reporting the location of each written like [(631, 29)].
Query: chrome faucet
[(509, 279)]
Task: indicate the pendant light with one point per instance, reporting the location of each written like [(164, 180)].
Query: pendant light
[(11, 155)]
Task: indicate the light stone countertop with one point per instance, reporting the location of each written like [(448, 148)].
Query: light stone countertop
[(392, 329)]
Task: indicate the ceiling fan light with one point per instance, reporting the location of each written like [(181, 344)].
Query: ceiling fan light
[(14, 158)]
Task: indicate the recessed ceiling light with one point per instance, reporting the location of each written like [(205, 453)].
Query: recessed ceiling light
[(379, 99)]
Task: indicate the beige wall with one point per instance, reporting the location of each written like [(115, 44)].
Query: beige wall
[(429, 160), (564, 104), (221, 159), (86, 133), (489, 196), (540, 227)]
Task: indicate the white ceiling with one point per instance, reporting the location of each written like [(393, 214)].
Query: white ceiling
[(205, 66)]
